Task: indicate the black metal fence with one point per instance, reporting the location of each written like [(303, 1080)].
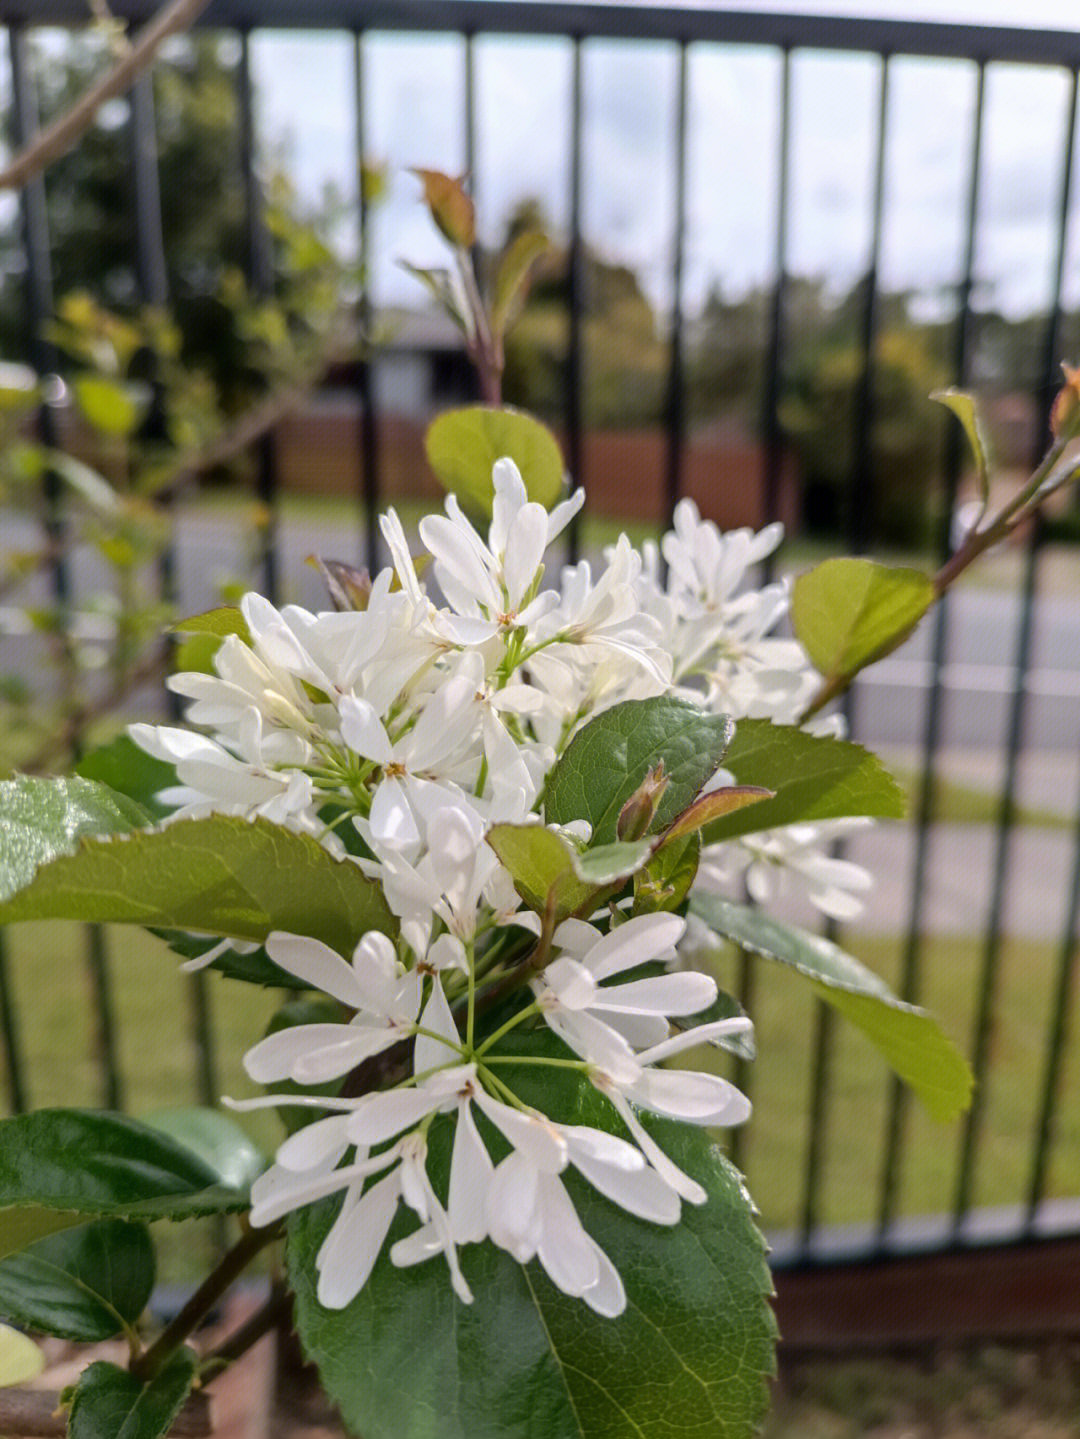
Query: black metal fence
[(684, 37)]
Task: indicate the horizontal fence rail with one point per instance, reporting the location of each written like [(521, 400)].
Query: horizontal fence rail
[(888, 1227)]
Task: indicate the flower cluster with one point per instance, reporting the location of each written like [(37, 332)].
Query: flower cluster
[(398, 735)]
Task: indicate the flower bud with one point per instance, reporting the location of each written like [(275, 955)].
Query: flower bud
[(1065, 413), (637, 813)]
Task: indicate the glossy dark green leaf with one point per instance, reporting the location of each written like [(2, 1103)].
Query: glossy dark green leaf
[(87, 1163), (111, 1403), (687, 1360), (610, 756), (909, 1038), (41, 819), (847, 613), (217, 1139), (130, 771), (813, 776), (86, 1283), (462, 447), (222, 875)]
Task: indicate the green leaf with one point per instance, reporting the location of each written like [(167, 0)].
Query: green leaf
[(609, 757), (253, 967), (222, 875), (512, 276), (25, 1225), (665, 881), (687, 1359), (111, 1403), (462, 447), (95, 1163), (217, 1139), (129, 770), (20, 1358), (203, 636), (451, 207), (715, 805), (847, 613), (112, 406), (86, 1284), (543, 864), (607, 863), (966, 411), (908, 1038), (43, 819), (813, 776)]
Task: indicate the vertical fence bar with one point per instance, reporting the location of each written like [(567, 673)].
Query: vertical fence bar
[(9, 1028), (368, 495), (1061, 1013), (910, 983), (859, 531), (40, 308), (575, 298), (154, 288), (772, 465), (261, 276), (676, 390)]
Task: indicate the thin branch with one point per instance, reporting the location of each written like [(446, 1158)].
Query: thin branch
[(36, 1412), (59, 137)]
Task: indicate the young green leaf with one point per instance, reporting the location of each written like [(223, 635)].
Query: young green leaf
[(112, 406), (462, 447), (20, 1358), (908, 1038), (715, 805), (451, 207), (217, 1139), (203, 634), (111, 1403), (546, 869), (87, 1283), (129, 770), (813, 776), (966, 411), (688, 1358), (511, 279), (44, 819), (221, 875), (847, 613), (665, 881), (609, 757), (83, 1163)]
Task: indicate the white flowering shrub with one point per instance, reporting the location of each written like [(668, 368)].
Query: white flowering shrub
[(486, 829)]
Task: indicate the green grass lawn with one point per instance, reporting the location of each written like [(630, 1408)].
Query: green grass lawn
[(157, 1065)]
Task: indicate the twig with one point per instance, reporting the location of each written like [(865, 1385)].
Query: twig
[(36, 1412), (59, 137), (265, 1318)]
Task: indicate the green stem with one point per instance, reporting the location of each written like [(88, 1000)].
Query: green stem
[(511, 1023)]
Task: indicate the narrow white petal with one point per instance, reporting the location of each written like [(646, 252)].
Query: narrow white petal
[(643, 1192), (431, 1053), (471, 1169), (699, 1034), (691, 1096), (684, 992), (668, 1171), (316, 964), (531, 1135), (513, 1222), (316, 1146), (639, 940), (565, 1250), (363, 731), (348, 1254), (276, 1056), (606, 1297), (524, 552), (387, 1113)]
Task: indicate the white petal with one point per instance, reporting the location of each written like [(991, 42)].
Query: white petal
[(275, 1056), (565, 1250), (684, 992), (471, 1169), (363, 731), (513, 1222), (670, 1172), (316, 1146), (639, 940), (572, 982), (349, 1251), (699, 1034), (533, 1136), (606, 1297), (643, 1192), (316, 964), (691, 1096), (387, 1113), (432, 1053), (524, 552)]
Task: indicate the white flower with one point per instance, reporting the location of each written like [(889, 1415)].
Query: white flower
[(773, 861)]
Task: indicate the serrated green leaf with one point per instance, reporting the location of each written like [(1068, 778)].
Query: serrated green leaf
[(86, 1284), (221, 875), (687, 1360), (609, 757), (43, 819), (462, 446), (86, 1163), (665, 881), (216, 1138), (966, 410), (813, 776), (909, 1038), (847, 613), (20, 1358), (129, 770), (27, 1224), (111, 1403), (114, 407)]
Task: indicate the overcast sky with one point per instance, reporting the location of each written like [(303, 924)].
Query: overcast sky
[(414, 115)]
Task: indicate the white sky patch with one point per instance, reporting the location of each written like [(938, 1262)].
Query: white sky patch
[(415, 115)]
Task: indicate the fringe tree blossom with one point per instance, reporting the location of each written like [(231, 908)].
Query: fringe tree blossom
[(399, 735)]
